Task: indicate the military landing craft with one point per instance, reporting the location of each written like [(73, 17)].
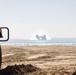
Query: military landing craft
[(42, 37)]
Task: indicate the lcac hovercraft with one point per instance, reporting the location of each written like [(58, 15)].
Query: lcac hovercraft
[(3, 40)]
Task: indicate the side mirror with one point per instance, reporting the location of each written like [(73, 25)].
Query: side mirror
[(4, 34)]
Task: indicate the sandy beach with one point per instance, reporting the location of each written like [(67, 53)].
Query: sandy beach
[(53, 60)]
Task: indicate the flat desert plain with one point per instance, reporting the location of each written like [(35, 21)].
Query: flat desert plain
[(53, 60)]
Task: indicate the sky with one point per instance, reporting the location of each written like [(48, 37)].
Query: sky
[(26, 18)]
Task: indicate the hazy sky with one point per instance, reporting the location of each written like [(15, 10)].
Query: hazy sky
[(26, 18)]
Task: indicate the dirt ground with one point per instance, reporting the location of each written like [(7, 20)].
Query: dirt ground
[(52, 60)]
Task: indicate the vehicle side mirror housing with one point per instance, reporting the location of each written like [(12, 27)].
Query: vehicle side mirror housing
[(2, 39)]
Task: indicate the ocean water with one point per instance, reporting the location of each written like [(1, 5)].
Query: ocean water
[(54, 41)]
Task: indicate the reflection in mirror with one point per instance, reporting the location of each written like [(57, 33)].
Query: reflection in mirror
[(1, 33)]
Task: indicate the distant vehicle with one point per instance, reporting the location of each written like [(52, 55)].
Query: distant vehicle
[(42, 37)]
